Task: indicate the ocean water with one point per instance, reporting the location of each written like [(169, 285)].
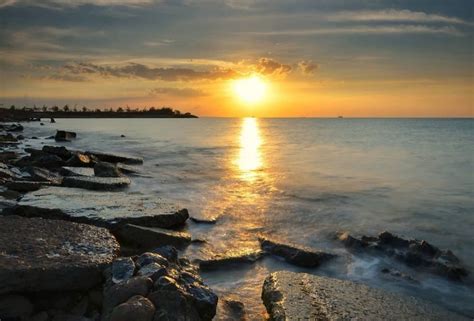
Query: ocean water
[(302, 180)]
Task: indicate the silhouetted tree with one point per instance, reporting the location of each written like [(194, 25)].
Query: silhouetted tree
[(55, 109), (66, 108), (44, 108), (84, 109), (120, 110), (12, 107)]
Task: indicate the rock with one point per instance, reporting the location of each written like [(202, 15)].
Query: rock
[(13, 306), (122, 269), (228, 259), (115, 158), (294, 254), (168, 252), (8, 155), (96, 183), (136, 308), (26, 186), (173, 305), (60, 151), (300, 296), (121, 292), (231, 309), (40, 159), (211, 220), (151, 237), (52, 120), (127, 169), (107, 209), (40, 316), (399, 275), (414, 253), (79, 160), (153, 270), (103, 169), (41, 124), (76, 171), (44, 175), (12, 128), (7, 173), (122, 135), (149, 257), (10, 194), (20, 137), (41, 255), (64, 136)]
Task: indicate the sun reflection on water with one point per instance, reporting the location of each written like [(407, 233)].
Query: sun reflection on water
[(250, 159)]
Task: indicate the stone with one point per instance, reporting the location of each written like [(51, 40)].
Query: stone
[(14, 306), (78, 160), (121, 292), (136, 308), (295, 254), (7, 155), (60, 151), (7, 173), (26, 186), (44, 175), (230, 259), (168, 252), (122, 269), (41, 160), (173, 305), (64, 136), (153, 271), (115, 158), (151, 237), (301, 296), (76, 171), (103, 169), (231, 309), (149, 257), (47, 255), (96, 183), (107, 209), (212, 220)]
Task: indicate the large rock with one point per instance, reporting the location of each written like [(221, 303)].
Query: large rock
[(300, 296), (49, 255), (104, 169), (96, 183), (230, 259), (60, 151), (136, 308), (26, 186), (151, 237), (44, 175), (115, 158), (107, 209), (295, 254), (64, 136)]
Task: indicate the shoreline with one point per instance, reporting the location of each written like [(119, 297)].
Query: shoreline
[(110, 178)]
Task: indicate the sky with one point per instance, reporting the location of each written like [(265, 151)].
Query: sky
[(317, 58)]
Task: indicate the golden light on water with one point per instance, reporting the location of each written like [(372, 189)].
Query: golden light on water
[(250, 90), (250, 159)]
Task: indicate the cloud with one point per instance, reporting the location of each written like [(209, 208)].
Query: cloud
[(135, 70), (267, 66), (308, 67), (392, 15), (69, 78), (365, 30), (181, 92), (57, 4)]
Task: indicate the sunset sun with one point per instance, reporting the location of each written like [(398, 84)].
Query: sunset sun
[(250, 90)]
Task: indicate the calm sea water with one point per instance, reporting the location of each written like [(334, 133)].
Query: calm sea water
[(302, 180)]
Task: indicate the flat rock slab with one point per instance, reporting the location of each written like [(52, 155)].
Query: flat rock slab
[(96, 183), (107, 209), (151, 237), (115, 158), (301, 296), (49, 255), (230, 259)]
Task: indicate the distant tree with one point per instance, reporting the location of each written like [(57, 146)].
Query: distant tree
[(84, 109), (75, 110), (12, 107), (128, 109), (98, 110), (152, 109), (120, 110), (55, 109), (44, 108), (24, 108), (66, 108)]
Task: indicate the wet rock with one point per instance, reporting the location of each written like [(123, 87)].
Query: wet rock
[(40, 159), (41, 255), (12, 128), (121, 292), (231, 309), (79, 160), (103, 169), (136, 308), (9, 194), (8, 155), (76, 171), (96, 183), (8, 138), (153, 270), (26, 186), (127, 169), (60, 151), (414, 253), (15, 307), (229, 259), (7, 173), (300, 296), (115, 158), (168, 252), (64, 136), (295, 254), (398, 274), (122, 269), (52, 120), (44, 175), (150, 257), (173, 305), (212, 220), (151, 237), (108, 209)]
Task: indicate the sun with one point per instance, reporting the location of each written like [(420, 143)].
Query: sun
[(250, 90)]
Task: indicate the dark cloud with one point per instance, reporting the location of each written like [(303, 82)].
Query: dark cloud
[(308, 67), (181, 92), (134, 70), (267, 66)]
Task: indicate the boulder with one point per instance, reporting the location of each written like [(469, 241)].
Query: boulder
[(40, 159), (103, 169), (295, 254), (44, 175), (26, 186), (7, 155), (121, 292), (107, 209), (136, 308), (115, 158), (122, 269), (79, 160), (150, 237), (231, 309), (64, 136), (60, 151), (96, 183), (47, 255), (230, 259), (301, 296)]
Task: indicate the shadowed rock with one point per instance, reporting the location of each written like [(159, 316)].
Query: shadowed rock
[(26, 186), (115, 158), (41, 255), (107, 209), (104, 169), (44, 175), (64, 136), (79, 160), (60, 151), (151, 237), (76, 171), (295, 254), (96, 183), (300, 296)]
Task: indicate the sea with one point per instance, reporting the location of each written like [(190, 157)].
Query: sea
[(302, 180)]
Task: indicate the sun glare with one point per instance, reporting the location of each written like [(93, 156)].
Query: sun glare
[(250, 90)]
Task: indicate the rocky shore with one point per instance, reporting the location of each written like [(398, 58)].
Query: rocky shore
[(76, 246)]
